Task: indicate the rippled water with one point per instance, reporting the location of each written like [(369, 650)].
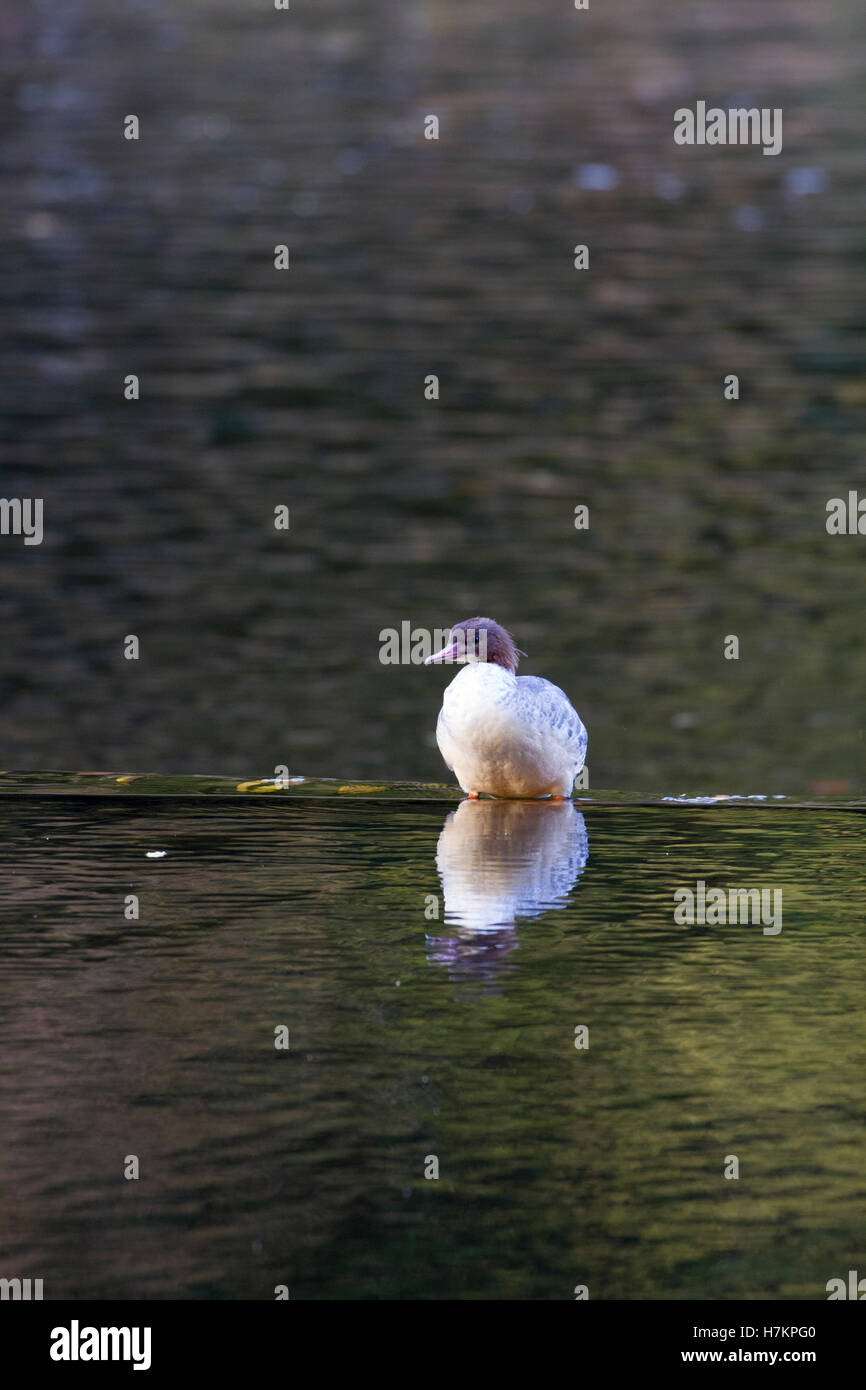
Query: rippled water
[(413, 257), (414, 1034)]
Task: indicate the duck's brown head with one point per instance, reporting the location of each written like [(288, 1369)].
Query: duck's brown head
[(479, 639)]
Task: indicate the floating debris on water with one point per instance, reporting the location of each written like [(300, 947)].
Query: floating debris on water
[(723, 796), (268, 784)]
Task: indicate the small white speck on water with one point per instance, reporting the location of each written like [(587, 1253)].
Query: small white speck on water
[(800, 182), (598, 177), (397, 983), (156, 854), (749, 219)]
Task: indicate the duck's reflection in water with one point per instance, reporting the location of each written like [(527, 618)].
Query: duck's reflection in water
[(500, 861)]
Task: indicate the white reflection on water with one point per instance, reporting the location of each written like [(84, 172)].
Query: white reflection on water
[(499, 861)]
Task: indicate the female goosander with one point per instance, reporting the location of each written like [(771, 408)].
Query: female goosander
[(500, 733)]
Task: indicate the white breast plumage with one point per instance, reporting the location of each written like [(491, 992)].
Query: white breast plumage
[(510, 735)]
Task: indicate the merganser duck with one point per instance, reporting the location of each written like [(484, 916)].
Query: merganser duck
[(500, 733)]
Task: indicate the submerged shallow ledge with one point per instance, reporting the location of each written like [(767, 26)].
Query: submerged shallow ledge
[(301, 788)]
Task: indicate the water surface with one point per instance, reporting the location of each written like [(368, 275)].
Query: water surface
[(413, 257), (415, 1035)]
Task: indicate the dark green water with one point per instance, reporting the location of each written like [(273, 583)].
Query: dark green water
[(312, 908), (411, 257), (412, 1036)]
